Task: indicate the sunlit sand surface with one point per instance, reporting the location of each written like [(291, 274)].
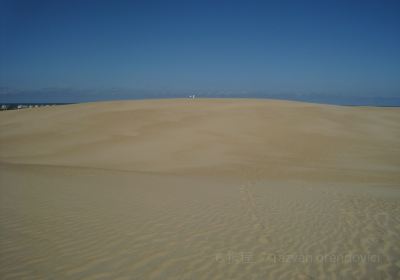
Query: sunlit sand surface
[(200, 189)]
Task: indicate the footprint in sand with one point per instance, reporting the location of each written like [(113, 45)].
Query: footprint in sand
[(251, 205)]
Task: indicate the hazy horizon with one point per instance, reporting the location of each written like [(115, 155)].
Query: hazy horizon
[(60, 95)]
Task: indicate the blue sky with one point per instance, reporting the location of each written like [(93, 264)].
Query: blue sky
[(95, 50)]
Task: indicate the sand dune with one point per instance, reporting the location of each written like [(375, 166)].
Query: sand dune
[(200, 189)]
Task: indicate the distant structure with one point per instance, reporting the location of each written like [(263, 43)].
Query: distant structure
[(192, 96), (16, 106)]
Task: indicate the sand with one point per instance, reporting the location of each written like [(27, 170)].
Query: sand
[(200, 189)]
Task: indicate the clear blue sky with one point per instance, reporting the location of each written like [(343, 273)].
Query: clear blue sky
[(101, 49)]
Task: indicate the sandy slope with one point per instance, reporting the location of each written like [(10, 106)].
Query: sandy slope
[(200, 189)]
